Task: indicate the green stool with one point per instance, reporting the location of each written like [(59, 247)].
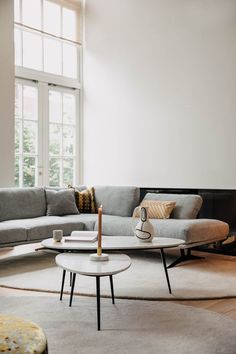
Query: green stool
[(19, 336)]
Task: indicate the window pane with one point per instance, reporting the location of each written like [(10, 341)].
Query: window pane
[(52, 56), (30, 102), (55, 139), (68, 108), (18, 51), (17, 10), (52, 18), (55, 107), (68, 140), (17, 135), (31, 13), (18, 101), (70, 60), (69, 23), (29, 172), (30, 137), (17, 172), (32, 51), (54, 172), (68, 168)]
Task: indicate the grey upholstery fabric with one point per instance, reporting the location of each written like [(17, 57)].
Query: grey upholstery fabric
[(27, 206), (115, 200), (191, 231), (116, 225), (21, 203), (12, 232), (42, 227), (187, 205), (89, 220), (61, 202)]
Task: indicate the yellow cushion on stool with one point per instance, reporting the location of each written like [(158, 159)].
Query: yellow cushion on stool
[(19, 336)]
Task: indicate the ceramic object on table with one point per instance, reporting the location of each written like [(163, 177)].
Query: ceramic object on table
[(57, 235), (144, 229)]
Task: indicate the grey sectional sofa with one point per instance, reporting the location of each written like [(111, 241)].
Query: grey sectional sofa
[(23, 216)]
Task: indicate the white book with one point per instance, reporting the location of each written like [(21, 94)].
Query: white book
[(82, 236)]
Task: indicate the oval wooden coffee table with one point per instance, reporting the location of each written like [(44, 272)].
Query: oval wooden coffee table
[(117, 243), (81, 264)]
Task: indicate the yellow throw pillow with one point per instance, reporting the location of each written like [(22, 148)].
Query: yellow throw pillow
[(85, 200), (157, 209)]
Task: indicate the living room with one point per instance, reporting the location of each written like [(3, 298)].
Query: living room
[(110, 94)]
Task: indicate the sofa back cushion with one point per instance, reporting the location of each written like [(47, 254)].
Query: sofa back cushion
[(187, 205), (115, 200), (61, 202), (22, 203)]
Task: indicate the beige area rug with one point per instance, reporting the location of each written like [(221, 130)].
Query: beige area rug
[(128, 327), (208, 278)]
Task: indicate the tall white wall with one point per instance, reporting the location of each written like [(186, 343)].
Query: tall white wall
[(6, 94), (160, 93)]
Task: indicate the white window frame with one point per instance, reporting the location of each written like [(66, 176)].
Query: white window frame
[(46, 131), (42, 169), (43, 80), (21, 154)]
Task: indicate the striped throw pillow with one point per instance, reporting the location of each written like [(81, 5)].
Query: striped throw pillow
[(157, 209)]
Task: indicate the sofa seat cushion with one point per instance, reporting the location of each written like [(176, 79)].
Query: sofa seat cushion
[(89, 220), (11, 232), (116, 225), (192, 231), (42, 227), (115, 200)]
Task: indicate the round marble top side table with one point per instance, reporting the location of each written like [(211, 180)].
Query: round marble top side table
[(81, 264)]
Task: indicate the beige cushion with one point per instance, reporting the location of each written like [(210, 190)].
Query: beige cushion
[(156, 209)]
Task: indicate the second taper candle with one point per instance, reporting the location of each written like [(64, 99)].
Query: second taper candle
[(99, 249)]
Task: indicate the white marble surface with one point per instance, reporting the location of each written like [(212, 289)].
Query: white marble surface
[(81, 264), (114, 243)]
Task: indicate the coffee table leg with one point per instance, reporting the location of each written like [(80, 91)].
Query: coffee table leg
[(62, 283), (165, 268), (98, 302), (112, 289), (72, 288)]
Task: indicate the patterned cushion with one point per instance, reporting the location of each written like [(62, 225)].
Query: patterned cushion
[(85, 200), (156, 209)]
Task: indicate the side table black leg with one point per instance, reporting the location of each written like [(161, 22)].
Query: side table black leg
[(165, 268), (112, 289), (98, 302), (62, 283), (72, 288), (70, 278)]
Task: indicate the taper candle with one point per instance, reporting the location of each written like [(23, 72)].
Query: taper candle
[(99, 249)]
